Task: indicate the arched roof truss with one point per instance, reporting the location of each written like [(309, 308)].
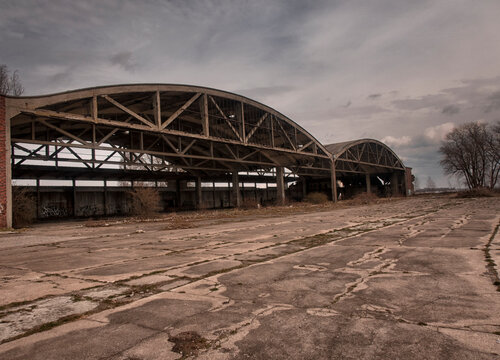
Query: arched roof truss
[(169, 128), (364, 156)]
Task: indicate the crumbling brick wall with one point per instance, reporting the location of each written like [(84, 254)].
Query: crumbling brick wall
[(3, 165)]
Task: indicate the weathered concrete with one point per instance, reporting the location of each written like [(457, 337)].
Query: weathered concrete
[(402, 279)]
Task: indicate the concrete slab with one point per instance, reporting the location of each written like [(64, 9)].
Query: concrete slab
[(403, 279)]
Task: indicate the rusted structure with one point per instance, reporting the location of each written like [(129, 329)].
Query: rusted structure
[(151, 132)]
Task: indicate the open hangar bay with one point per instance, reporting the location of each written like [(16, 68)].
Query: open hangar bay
[(202, 148)]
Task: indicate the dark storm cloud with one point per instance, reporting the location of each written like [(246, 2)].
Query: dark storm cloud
[(493, 102), (123, 59), (451, 110)]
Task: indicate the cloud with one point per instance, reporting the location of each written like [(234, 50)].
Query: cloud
[(123, 59), (451, 110), (396, 142), (494, 102), (438, 133)]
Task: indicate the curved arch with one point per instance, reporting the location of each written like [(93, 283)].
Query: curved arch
[(364, 153), (37, 102), (190, 127)]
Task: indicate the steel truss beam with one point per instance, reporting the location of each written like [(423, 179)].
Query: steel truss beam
[(184, 131)]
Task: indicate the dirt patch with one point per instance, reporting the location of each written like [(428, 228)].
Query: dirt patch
[(188, 343)]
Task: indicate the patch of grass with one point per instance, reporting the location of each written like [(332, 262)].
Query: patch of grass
[(144, 202), (23, 207), (77, 297), (45, 327), (364, 199), (490, 263), (316, 198), (188, 343), (474, 193)]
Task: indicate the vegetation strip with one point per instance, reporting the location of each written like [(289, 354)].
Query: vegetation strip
[(490, 263)]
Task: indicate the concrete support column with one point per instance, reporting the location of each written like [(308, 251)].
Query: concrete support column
[(280, 185), (236, 190), (333, 179), (394, 184), (198, 194), (37, 198), (304, 188), (73, 182), (368, 184), (105, 198), (178, 198), (213, 194), (5, 170)]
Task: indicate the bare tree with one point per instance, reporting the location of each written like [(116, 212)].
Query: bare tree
[(472, 151), (493, 154), (430, 183), (417, 183), (10, 83)]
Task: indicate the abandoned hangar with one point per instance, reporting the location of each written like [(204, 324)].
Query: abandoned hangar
[(205, 147)]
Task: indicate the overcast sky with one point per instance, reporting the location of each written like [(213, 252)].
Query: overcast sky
[(401, 71)]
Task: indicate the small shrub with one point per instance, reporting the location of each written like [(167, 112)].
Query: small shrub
[(364, 198), (23, 207), (316, 198), (144, 201), (481, 192), (249, 204)]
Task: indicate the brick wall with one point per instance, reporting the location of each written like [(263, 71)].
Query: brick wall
[(410, 190), (3, 163)]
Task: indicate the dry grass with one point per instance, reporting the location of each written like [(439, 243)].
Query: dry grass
[(188, 343), (482, 192), (364, 199), (96, 223), (144, 202), (178, 222), (23, 207), (316, 198), (250, 204)]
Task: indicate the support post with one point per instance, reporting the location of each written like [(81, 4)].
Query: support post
[(368, 184), (333, 178), (74, 197), (198, 194), (280, 185), (178, 194), (5, 168), (37, 198), (236, 190), (304, 188), (105, 210), (394, 184), (213, 194)]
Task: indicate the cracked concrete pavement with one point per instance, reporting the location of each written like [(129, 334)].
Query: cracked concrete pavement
[(414, 278)]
